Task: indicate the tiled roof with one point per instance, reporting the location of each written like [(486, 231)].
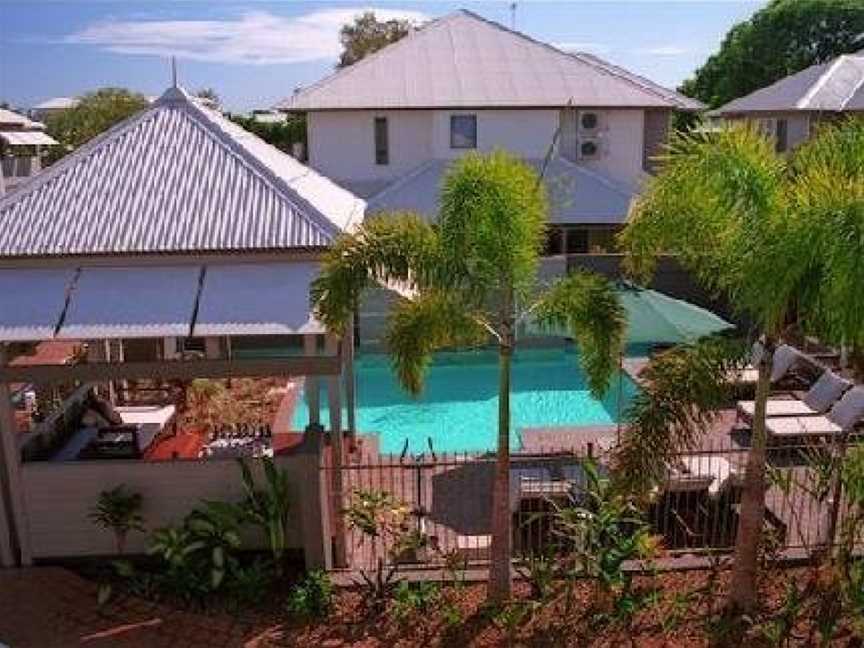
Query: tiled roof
[(834, 87), (176, 177), (463, 60)]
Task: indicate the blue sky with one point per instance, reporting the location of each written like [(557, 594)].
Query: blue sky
[(255, 52)]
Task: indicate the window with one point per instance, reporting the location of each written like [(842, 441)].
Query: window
[(589, 120), (463, 131), (382, 144), (781, 137), (576, 241)]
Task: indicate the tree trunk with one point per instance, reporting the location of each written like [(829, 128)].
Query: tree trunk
[(499, 571), (742, 593)]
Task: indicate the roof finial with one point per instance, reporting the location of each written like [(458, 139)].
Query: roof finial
[(513, 16), (173, 71)]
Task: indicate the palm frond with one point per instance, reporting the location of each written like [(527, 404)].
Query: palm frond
[(586, 305), (720, 205), (419, 327), (397, 248), (681, 393)]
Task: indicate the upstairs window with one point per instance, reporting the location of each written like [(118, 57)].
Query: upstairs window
[(382, 143), (463, 131)]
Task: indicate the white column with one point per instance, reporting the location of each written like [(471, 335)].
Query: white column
[(311, 384), (10, 463), (212, 348)]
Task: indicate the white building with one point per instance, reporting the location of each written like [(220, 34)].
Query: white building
[(21, 142), (387, 127), (791, 109)]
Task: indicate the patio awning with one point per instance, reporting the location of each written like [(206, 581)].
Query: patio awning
[(132, 302), (247, 299), (32, 302), (27, 138), (94, 303)]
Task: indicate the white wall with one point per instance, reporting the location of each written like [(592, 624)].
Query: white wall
[(623, 144), (58, 497), (342, 147)]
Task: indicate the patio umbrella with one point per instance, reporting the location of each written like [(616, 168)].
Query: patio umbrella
[(655, 318)]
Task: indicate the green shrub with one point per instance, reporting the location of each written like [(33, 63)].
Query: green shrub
[(410, 599), (312, 598), (118, 510)]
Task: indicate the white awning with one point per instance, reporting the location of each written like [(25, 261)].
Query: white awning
[(31, 302), (132, 302), (260, 299), (27, 138)]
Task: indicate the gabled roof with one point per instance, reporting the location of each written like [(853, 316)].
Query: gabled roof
[(176, 177), (58, 103), (10, 119), (576, 194), (463, 60), (833, 87)]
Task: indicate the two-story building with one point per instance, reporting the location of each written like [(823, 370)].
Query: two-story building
[(21, 143), (387, 127), (791, 109)]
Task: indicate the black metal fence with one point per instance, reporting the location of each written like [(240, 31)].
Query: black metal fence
[(443, 503)]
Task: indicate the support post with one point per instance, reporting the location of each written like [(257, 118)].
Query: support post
[(335, 406), (311, 387), (317, 534), (10, 465)]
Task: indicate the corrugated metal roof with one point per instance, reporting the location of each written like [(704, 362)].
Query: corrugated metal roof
[(58, 103), (176, 177), (10, 118), (576, 195), (832, 87), (463, 60), (131, 302), (259, 299), (27, 138), (32, 302)]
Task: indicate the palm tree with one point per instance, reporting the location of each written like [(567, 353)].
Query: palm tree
[(468, 280), (770, 233)]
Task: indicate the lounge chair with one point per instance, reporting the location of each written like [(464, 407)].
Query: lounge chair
[(824, 393), (843, 417), (785, 359)]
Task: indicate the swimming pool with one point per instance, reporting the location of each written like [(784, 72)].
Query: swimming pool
[(458, 409)]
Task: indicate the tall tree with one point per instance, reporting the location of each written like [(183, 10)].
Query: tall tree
[(367, 34), (783, 38), (470, 279), (767, 232), (95, 113), (281, 134), (210, 96)]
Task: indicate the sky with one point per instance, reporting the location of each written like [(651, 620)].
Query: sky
[(255, 52)]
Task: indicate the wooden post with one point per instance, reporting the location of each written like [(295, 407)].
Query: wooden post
[(315, 523), (334, 397), (10, 466), (311, 385)]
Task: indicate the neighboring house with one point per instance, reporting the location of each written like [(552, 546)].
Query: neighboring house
[(53, 106), (387, 126), (21, 142), (791, 109)]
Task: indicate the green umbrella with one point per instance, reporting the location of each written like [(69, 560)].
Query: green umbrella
[(655, 318)]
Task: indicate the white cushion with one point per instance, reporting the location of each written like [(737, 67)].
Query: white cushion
[(825, 392), (778, 407), (849, 410)]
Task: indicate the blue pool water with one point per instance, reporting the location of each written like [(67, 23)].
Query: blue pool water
[(458, 409)]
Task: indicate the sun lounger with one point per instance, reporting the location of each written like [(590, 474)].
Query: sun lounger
[(845, 414), (785, 359), (709, 466), (822, 395)]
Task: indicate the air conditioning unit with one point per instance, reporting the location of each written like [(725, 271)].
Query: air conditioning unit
[(590, 122), (590, 148)]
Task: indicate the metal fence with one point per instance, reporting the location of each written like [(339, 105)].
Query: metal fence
[(445, 501)]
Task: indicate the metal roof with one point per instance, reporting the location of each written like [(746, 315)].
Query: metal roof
[(27, 138), (576, 195), (252, 299), (58, 103), (464, 60), (10, 118), (111, 302), (833, 87), (176, 177)]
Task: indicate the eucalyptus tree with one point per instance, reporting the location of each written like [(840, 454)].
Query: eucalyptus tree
[(468, 280), (768, 232)]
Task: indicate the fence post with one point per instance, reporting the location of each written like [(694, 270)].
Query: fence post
[(315, 507)]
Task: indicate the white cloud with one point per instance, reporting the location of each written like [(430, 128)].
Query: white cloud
[(596, 48), (664, 50), (254, 37)]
